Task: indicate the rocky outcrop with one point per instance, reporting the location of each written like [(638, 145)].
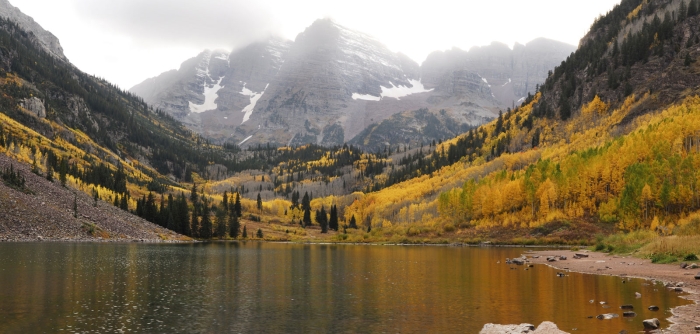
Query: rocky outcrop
[(510, 74), (45, 39), (35, 106)]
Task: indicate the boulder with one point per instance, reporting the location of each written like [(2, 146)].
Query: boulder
[(563, 258), (651, 324), (35, 106), (697, 276), (544, 328), (653, 308), (519, 262), (581, 255), (693, 266), (507, 329), (684, 265), (551, 259)]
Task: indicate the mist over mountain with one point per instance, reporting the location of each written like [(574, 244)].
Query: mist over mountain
[(331, 83)]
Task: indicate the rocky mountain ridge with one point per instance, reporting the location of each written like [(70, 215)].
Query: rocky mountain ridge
[(43, 38), (331, 83)]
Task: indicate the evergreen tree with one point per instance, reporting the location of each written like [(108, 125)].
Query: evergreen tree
[(307, 218), (63, 172), (245, 232), (234, 226), (49, 173), (260, 205), (353, 222), (224, 202), (237, 205), (124, 205), (322, 219), (116, 200), (96, 196), (259, 234), (205, 230), (221, 221), (333, 221), (75, 205)]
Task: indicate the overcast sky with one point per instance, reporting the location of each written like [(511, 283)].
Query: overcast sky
[(127, 41)]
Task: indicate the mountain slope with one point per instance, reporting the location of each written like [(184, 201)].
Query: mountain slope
[(600, 148)]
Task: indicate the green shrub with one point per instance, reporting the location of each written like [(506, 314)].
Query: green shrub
[(663, 258), (690, 257)]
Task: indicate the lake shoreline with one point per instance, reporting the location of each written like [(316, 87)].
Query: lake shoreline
[(684, 318)]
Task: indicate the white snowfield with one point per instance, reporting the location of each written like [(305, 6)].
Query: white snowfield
[(396, 92), (210, 96), (254, 97), (245, 140)]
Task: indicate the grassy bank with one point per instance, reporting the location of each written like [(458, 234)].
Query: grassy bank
[(647, 244)]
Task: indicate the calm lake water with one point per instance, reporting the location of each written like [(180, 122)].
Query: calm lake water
[(289, 288)]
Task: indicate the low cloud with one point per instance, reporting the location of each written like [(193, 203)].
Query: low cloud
[(201, 24)]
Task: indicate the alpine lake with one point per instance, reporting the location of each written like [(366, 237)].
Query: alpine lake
[(254, 287)]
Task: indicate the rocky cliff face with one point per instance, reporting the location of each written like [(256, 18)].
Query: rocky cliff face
[(45, 39), (331, 83), (510, 74)]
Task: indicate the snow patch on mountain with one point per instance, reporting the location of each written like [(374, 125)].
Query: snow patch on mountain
[(403, 91), (254, 97), (210, 96), (365, 97), (245, 140), (396, 92)]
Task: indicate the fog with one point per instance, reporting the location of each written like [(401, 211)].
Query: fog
[(127, 41)]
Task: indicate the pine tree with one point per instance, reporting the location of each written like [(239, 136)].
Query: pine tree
[(322, 220), (62, 172), (260, 234), (221, 221), (224, 202), (245, 232), (116, 200), (96, 196), (124, 205), (49, 173), (205, 230), (333, 221), (75, 205), (260, 205), (353, 222), (234, 226), (237, 205)]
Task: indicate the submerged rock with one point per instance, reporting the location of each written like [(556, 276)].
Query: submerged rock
[(627, 307), (653, 308), (608, 316), (629, 314)]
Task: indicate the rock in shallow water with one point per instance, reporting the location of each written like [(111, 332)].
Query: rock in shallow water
[(544, 328), (651, 323)]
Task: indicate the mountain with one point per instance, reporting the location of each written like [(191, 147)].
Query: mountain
[(42, 38), (331, 83), (608, 144)]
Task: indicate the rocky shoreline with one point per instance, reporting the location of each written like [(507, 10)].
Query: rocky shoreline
[(685, 319)]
